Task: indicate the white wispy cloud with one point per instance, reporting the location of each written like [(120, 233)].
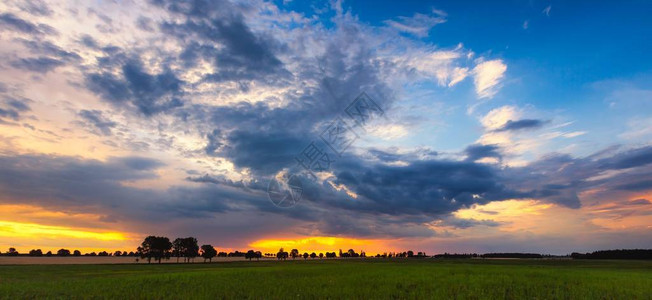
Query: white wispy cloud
[(546, 11), (419, 24), (487, 76)]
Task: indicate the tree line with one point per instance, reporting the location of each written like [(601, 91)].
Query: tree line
[(615, 254), (158, 247), (65, 252)]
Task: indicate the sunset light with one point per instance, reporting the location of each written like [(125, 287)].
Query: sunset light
[(325, 149)]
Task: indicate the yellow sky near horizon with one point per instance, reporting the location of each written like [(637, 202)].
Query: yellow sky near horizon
[(27, 227)]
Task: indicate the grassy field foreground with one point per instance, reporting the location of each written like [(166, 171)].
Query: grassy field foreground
[(401, 278)]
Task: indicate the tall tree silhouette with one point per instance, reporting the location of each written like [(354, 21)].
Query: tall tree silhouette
[(156, 247), (190, 248), (12, 252), (208, 252), (294, 253), (177, 248), (281, 254), (250, 254)]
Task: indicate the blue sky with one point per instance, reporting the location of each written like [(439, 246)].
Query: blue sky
[(508, 126)]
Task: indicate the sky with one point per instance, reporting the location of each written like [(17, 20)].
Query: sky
[(517, 126)]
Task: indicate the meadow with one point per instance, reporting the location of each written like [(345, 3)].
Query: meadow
[(335, 279)]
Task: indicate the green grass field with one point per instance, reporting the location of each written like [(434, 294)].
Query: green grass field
[(369, 279)]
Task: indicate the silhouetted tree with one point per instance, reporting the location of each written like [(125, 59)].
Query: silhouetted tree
[(117, 253), (250, 254), (410, 253), (103, 253), (236, 253), (305, 255), (36, 252), (294, 253), (321, 255), (190, 248), (12, 252), (281, 254), (177, 248), (222, 254), (49, 253), (208, 252), (76, 253), (313, 255), (351, 253), (63, 252), (156, 247)]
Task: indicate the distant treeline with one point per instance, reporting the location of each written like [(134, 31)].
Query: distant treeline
[(489, 255), (615, 254), (158, 248)]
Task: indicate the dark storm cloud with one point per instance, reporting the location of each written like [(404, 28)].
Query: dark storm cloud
[(148, 93), (642, 185), (96, 122), (39, 65), (433, 187), (476, 151), (12, 22), (92, 186), (215, 31), (467, 223), (263, 152), (629, 159), (392, 200), (385, 156), (265, 139), (560, 178), (521, 124)]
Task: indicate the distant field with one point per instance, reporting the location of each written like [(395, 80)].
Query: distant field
[(369, 279)]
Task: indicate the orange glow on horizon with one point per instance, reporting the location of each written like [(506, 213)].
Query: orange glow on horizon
[(323, 244), (32, 230), (27, 227)]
